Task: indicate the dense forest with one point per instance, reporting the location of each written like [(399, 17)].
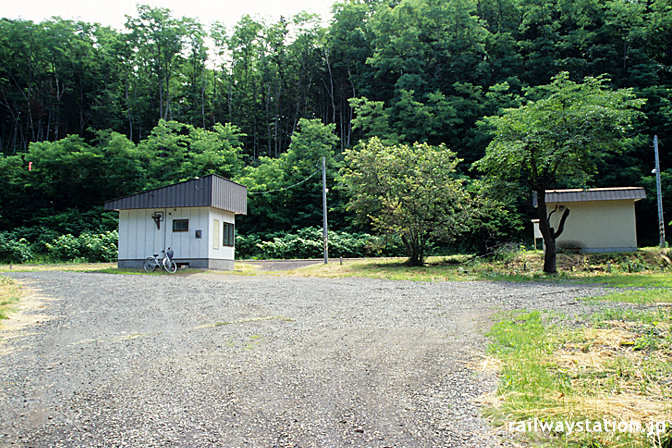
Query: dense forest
[(99, 112)]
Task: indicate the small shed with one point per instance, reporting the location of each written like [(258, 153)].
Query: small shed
[(600, 219), (196, 218)]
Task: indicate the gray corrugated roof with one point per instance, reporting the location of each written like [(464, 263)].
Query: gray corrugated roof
[(593, 194), (208, 191)]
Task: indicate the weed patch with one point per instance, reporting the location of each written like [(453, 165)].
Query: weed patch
[(615, 270), (9, 296), (617, 368)]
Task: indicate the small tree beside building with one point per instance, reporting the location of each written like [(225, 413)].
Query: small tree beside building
[(558, 140)]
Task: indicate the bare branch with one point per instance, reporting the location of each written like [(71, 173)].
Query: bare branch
[(561, 226), (550, 214)]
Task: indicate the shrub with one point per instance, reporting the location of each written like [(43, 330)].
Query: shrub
[(246, 245), (92, 247), (307, 243), (14, 250), (37, 236)]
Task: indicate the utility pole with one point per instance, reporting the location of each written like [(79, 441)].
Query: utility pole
[(659, 194), (324, 211)]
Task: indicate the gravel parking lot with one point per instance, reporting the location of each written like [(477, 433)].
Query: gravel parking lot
[(233, 361)]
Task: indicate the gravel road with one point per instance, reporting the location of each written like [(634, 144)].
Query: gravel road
[(253, 361)]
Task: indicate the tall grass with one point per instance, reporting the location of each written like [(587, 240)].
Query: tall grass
[(9, 296), (618, 367)]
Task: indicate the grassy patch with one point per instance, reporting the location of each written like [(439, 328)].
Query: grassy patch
[(645, 268), (10, 293), (616, 368), (387, 268), (56, 267), (660, 296), (626, 280)]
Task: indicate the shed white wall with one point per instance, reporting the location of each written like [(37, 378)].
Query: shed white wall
[(139, 237), (598, 226), (224, 252)]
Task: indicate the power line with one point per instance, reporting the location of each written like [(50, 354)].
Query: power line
[(286, 188)]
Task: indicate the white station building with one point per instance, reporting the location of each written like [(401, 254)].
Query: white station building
[(195, 218)]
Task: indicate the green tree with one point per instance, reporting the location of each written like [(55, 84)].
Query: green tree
[(160, 40), (372, 119), (558, 140), (409, 191), (285, 193), (176, 151), (349, 45)]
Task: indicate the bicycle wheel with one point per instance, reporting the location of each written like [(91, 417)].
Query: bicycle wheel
[(149, 265), (169, 265)]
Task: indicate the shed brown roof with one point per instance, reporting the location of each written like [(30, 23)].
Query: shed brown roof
[(593, 194), (208, 191)]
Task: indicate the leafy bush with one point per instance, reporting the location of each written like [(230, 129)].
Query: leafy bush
[(14, 250), (87, 247), (307, 243), (246, 245), (37, 237)]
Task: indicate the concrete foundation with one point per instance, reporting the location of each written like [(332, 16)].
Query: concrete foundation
[(194, 263)]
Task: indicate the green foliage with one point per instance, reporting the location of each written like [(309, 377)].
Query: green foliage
[(69, 181), (32, 246), (291, 246), (372, 120), (308, 243), (285, 193), (176, 151), (36, 237), (102, 113), (87, 247), (408, 191), (492, 225), (14, 250), (558, 140)]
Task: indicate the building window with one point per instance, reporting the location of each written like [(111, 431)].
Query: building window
[(215, 233), (228, 234), (180, 225)]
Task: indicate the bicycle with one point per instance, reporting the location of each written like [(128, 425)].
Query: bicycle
[(165, 261)]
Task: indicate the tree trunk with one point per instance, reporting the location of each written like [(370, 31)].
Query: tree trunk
[(549, 234), (160, 97), (550, 256), (413, 249)]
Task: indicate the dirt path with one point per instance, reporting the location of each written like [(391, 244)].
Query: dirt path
[(151, 361)]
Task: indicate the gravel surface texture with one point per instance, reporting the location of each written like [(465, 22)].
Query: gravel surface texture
[(282, 265), (254, 361)]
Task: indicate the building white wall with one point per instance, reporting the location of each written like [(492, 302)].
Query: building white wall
[(597, 225), (139, 237), (224, 252)]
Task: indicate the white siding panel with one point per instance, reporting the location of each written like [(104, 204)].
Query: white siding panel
[(185, 244), (123, 234), (224, 252), (139, 237)]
